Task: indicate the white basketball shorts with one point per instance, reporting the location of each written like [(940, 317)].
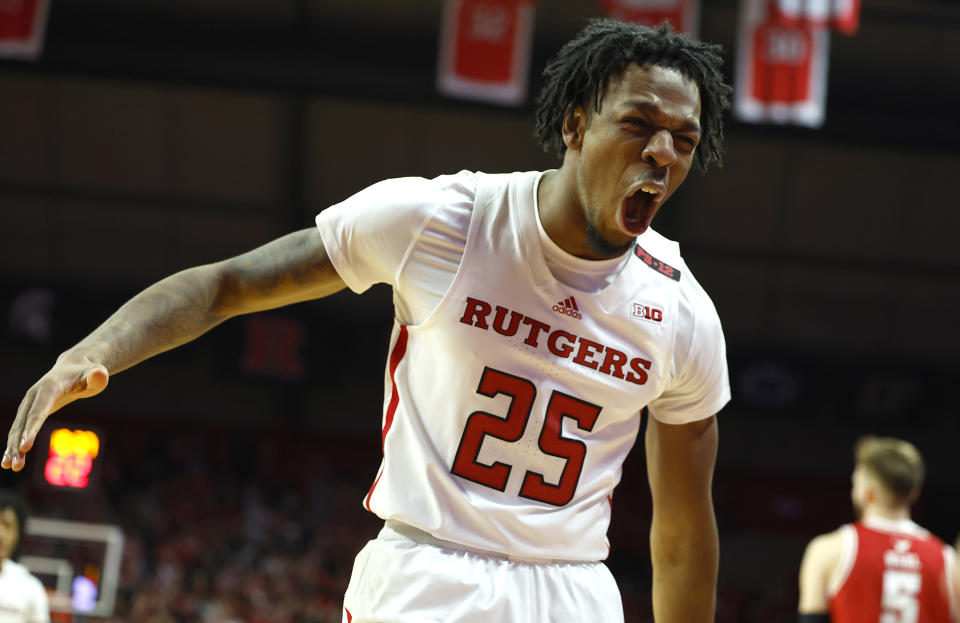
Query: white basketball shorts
[(407, 576)]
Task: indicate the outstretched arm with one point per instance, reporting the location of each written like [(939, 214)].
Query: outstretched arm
[(684, 544), (172, 312)]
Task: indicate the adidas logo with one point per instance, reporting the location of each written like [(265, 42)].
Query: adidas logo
[(568, 307)]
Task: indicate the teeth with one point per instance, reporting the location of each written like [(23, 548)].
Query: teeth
[(648, 190)]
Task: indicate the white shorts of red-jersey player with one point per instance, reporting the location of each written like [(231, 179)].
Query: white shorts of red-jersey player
[(407, 576)]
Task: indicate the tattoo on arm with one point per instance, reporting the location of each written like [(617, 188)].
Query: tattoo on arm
[(295, 258), (187, 304), (290, 269), (165, 315)]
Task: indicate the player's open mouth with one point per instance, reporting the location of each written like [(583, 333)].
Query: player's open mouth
[(638, 208)]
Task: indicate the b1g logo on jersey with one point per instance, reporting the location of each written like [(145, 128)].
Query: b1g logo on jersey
[(568, 307), (648, 313)]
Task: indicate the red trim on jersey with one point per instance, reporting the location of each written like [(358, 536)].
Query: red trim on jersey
[(399, 350), (349, 616), (366, 502), (610, 502)]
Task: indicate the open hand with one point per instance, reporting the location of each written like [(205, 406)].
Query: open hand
[(65, 382)]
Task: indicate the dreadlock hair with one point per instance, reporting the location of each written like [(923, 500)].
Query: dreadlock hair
[(582, 69)]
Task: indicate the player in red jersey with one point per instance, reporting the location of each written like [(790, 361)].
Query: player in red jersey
[(884, 568)]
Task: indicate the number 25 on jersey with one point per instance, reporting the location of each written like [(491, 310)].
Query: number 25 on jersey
[(511, 428)]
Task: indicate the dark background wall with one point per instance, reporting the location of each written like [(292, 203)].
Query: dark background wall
[(153, 136)]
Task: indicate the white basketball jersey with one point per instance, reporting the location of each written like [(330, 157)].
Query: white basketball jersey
[(22, 596), (509, 411)]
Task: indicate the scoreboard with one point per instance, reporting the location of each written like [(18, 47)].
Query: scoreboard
[(71, 459)]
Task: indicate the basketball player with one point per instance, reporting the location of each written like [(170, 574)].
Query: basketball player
[(22, 597), (883, 568), (537, 314)]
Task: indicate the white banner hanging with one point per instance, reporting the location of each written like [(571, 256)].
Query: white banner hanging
[(781, 71), (485, 50)]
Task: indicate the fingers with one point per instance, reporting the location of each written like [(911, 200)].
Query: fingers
[(44, 398), (35, 419), (51, 398), (35, 416), (12, 457)]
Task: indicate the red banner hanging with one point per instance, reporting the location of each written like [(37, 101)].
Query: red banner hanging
[(485, 49), (683, 15), (840, 15), (781, 74), (22, 27)]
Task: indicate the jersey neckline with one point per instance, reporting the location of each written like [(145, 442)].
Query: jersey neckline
[(898, 526), (527, 215)]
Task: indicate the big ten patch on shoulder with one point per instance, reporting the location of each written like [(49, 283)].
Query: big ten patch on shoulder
[(647, 312)]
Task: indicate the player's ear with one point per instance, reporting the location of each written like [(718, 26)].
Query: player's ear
[(574, 126), (870, 492)]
